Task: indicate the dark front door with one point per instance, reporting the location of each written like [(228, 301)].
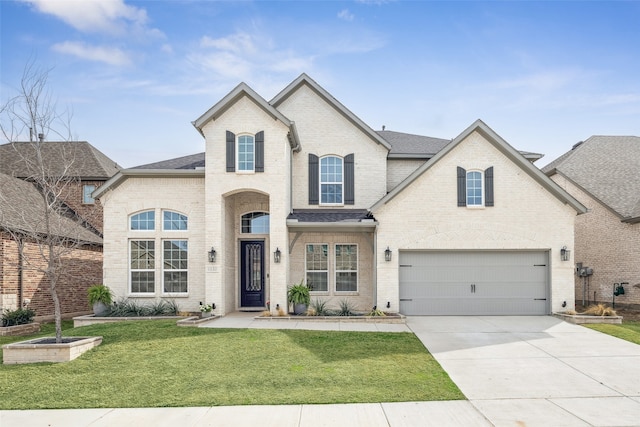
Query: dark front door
[(252, 273)]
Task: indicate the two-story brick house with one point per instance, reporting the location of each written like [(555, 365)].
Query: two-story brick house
[(300, 189), (81, 168)]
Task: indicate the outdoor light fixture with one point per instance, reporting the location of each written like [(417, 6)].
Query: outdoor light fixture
[(276, 256), (387, 254), (212, 255), (565, 254)]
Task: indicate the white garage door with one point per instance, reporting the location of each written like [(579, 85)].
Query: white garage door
[(474, 283)]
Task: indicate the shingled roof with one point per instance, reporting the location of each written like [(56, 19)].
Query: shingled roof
[(607, 168), (83, 159), (21, 211), (406, 145), (192, 161)]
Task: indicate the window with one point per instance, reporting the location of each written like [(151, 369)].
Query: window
[(174, 221), (474, 188), (175, 271), (86, 194), (331, 180), (346, 268), (255, 223), (317, 267), (144, 221), (246, 153), (142, 266)]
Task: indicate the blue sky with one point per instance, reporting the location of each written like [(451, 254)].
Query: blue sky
[(544, 75)]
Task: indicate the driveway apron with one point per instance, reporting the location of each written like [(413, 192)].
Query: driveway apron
[(536, 370)]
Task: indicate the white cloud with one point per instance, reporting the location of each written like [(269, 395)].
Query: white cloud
[(239, 43), (97, 16), (108, 55), (345, 15)]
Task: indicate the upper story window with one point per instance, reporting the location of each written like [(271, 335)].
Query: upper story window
[(86, 194), (475, 188), (331, 180), (143, 221), (255, 223), (246, 153), (173, 221)]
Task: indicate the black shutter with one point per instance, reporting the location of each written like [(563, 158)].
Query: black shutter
[(349, 197), (259, 167), (462, 187), (314, 177), (231, 152), (488, 187)]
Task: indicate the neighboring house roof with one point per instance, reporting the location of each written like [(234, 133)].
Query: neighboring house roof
[(304, 79), (187, 162), (606, 167), (21, 211), (82, 159), (232, 97), (506, 149)]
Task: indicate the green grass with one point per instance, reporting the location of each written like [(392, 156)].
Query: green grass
[(629, 331), (156, 363)]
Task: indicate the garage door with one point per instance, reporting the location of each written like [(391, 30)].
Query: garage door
[(474, 283)]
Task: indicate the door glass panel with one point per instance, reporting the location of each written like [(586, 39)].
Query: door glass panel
[(253, 253)]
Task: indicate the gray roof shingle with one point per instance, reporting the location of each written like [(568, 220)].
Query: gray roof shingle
[(21, 210), (186, 162), (608, 168), (410, 144), (83, 160), (330, 215)]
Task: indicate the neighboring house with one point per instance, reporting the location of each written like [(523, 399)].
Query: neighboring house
[(602, 173), (21, 282), (299, 189)]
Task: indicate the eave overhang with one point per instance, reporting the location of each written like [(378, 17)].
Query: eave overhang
[(125, 174)]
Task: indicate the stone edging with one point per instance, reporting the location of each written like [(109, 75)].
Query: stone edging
[(93, 320), (18, 330), (33, 352), (340, 319), (195, 320), (582, 319)]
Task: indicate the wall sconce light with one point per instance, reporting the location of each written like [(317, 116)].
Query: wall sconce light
[(387, 254), (565, 254), (276, 256), (212, 255)]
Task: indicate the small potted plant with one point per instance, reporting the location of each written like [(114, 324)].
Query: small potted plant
[(206, 310), (299, 296), (100, 297)]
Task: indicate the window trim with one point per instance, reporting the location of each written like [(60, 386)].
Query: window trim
[(131, 270), (341, 183), (253, 146), (482, 189), (163, 292), (186, 221), (85, 195), (264, 213), (336, 271), (138, 230), (306, 270)]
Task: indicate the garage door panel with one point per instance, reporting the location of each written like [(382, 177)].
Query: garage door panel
[(474, 283)]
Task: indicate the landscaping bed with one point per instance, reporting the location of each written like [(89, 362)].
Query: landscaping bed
[(20, 330)]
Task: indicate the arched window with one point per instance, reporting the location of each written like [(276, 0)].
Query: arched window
[(331, 180), (143, 221), (255, 223), (172, 221)]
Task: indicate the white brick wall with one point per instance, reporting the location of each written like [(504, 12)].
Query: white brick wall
[(399, 169), (426, 216), (184, 195), (323, 131)]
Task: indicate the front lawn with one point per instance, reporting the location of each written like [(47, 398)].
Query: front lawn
[(156, 363), (629, 331)]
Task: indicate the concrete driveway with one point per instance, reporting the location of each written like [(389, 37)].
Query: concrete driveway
[(536, 371)]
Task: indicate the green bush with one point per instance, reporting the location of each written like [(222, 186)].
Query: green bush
[(346, 308), (130, 308), (21, 316), (99, 293)]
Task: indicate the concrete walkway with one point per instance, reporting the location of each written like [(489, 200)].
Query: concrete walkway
[(515, 371)]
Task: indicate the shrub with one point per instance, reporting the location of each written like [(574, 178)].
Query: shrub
[(131, 308), (299, 294), (20, 316), (346, 308), (319, 308), (599, 310), (99, 293)]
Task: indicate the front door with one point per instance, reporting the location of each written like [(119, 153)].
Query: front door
[(252, 273)]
